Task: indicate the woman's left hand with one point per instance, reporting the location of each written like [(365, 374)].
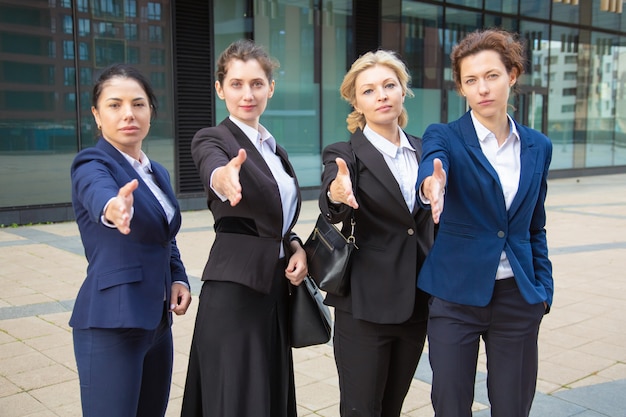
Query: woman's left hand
[(297, 268), (180, 299)]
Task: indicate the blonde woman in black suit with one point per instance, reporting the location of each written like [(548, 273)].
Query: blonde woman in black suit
[(380, 326), (240, 363)]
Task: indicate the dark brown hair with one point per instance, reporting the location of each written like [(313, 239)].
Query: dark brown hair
[(124, 71), (244, 50), (508, 45)]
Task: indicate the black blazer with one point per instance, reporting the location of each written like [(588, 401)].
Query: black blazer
[(392, 241), (249, 235)]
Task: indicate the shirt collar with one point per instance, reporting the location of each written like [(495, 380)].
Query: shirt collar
[(482, 132), (254, 135), (385, 145), (143, 164)]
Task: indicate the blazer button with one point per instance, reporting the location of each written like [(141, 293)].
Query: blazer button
[(410, 232), (500, 234)]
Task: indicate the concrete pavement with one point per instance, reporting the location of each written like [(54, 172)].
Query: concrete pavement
[(582, 370)]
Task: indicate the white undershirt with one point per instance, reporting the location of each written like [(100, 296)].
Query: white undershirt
[(505, 160)]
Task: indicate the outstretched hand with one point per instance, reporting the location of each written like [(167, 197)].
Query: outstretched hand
[(226, 178), (434, 188), (119, 210), (341, 187)]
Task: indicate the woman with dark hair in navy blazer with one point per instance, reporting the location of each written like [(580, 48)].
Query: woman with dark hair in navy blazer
[(128, 217), (488, 272)]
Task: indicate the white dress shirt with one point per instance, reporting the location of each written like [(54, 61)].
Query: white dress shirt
[(505, 160), (401, 160)]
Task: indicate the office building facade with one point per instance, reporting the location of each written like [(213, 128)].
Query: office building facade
[(51, 52)]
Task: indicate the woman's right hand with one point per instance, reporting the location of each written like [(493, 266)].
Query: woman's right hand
[(434, 188), (226, 178), (341, 187), (120, 209)]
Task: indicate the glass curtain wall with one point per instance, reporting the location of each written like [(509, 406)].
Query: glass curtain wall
[(573, 88), (309, 39), (51, 52)]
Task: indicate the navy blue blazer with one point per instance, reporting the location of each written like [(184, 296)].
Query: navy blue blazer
[(475, 226), (128, 276)]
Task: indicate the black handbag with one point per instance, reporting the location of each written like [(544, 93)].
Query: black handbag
[(328, 254), (310, 320)]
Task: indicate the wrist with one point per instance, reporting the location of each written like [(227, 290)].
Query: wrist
[(330, 198)]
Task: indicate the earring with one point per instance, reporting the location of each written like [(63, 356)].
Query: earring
[(99, 127)]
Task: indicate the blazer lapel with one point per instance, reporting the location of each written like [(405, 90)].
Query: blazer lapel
[(527, 168), (473, 146), (372, 158)]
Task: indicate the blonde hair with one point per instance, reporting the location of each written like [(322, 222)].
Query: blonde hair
[(348, 87)]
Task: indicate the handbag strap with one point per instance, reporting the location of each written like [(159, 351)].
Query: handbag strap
[(351, 238)]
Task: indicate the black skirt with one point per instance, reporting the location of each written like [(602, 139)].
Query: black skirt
[(240, 364)]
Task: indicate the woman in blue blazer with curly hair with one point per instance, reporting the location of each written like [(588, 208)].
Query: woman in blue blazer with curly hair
[(488, 272)]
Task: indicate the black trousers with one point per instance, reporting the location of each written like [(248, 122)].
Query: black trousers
[(509, 327), (376, 363)]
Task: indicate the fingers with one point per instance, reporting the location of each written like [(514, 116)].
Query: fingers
[(342, 167), (438, 172), (239, 159), (180, 299), (128, 188), (341, 186), (226, 178)]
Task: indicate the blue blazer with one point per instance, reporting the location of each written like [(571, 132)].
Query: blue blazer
[(475, 226), (128, 276)]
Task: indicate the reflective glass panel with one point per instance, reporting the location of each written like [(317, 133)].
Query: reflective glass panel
[(535, 8), (560, 61), (602, 94), (423, 56), (45, 115)]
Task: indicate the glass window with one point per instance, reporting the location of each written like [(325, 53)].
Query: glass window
[(155, 33), (69, 76), (84, 27), (83, 51), (535, 8), (52, 49), (68, 25), (130, 8), (82, 5), (69, 101), (108, 9), (130, 29), (154, 11), (504, 6), (157, 56), (86, 77), (68, 49), (157, 79), (565, 12), (604, 14), (602, 95), (132, 55), (478, 4), (422, 54), (563, 68)]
